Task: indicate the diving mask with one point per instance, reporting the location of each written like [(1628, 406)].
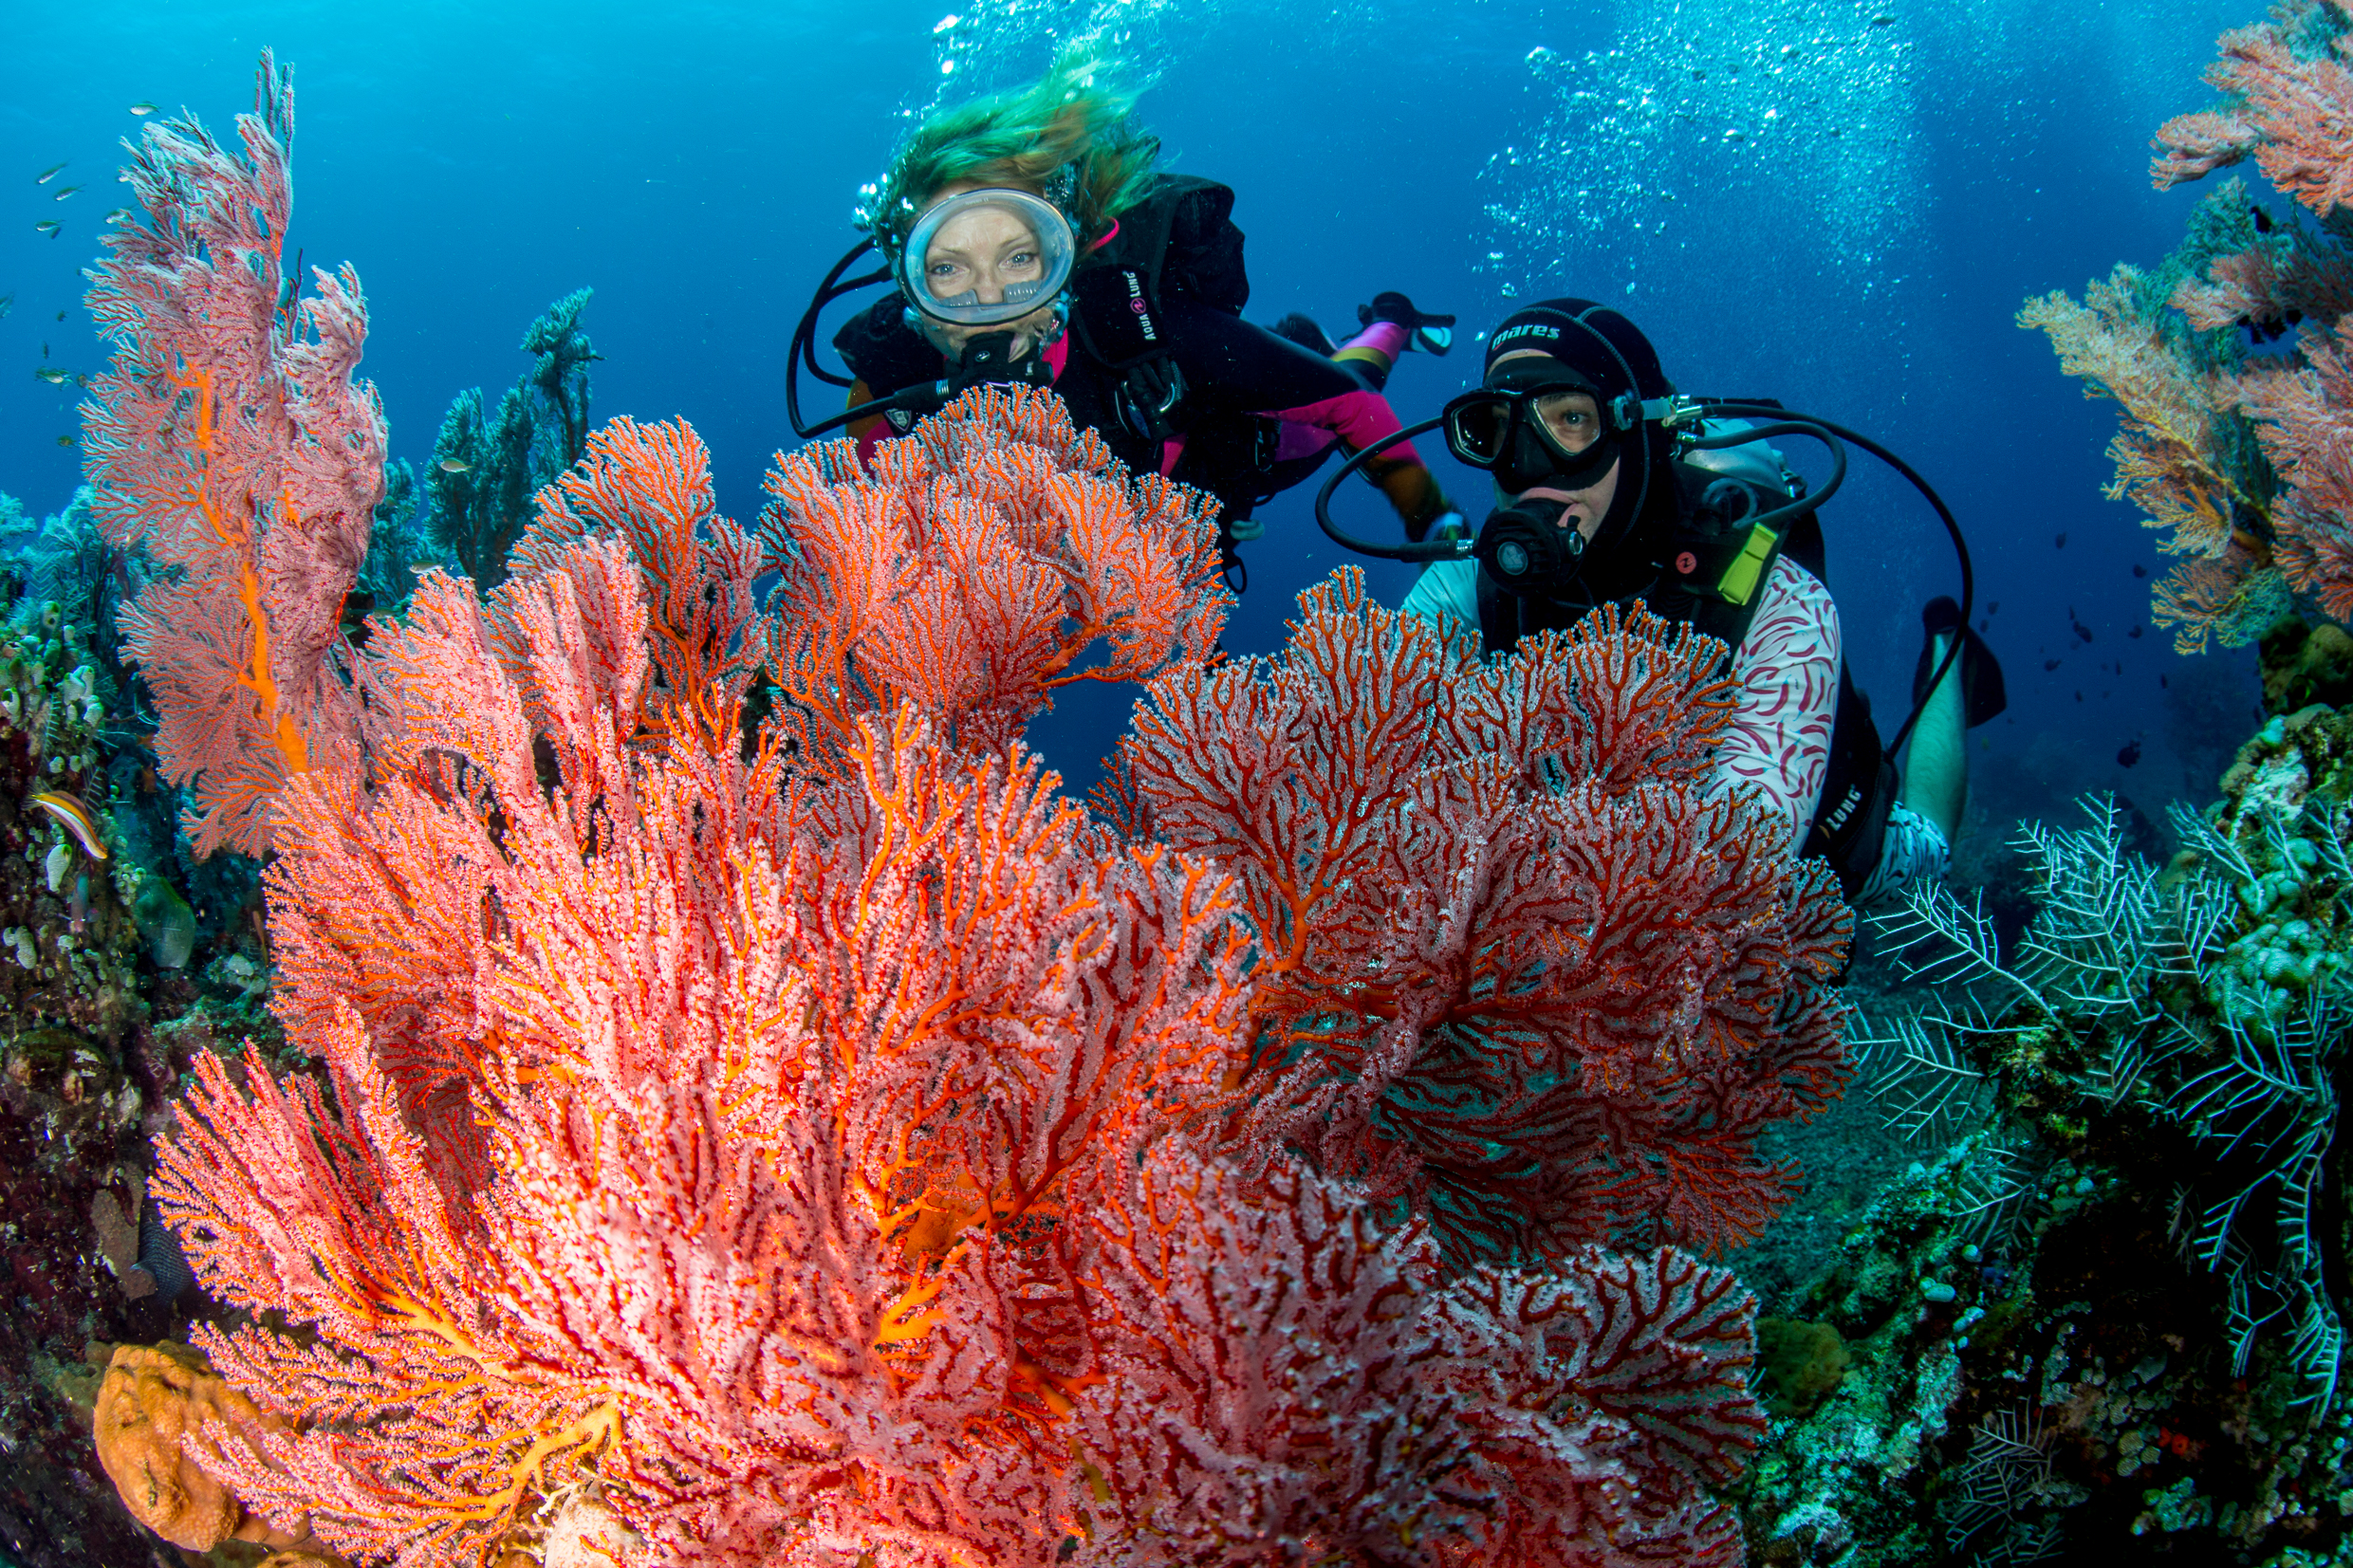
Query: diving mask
[(1540, 423), (981, 258)]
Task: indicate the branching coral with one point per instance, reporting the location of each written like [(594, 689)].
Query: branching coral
[(1517, 963), (2266, 522), (486, 468), (2174, 457), (230, 439), (825, 1143), (970, 572), (2208, 1000)]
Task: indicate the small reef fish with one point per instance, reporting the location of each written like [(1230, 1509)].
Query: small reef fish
[(2061, 543), (2134, 632), (68, 809), (64, 440), (49, 173), (2128, 754), (120, 215), (6, 301), (2139, 570), (51, 375), (67, 192), (143, 107), (451, 465), (46, 226), (2049, 665)]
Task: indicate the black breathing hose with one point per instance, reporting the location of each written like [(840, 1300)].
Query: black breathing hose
[(804, 347), (1944, 513), (1428, 549)]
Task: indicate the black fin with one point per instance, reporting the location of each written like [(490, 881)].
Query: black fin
[(1983, 694)]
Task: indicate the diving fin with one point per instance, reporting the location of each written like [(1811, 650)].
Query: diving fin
[(1431, 334), (1983, 695)]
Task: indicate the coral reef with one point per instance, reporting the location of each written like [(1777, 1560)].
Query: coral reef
[(2240, 453), (2122, 1239), (486, 468), (101, 1006), (811, 1138), (1543, 859), (2306, 666), (229, 439)]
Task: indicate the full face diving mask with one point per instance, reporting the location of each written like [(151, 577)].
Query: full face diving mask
[(982, 258)]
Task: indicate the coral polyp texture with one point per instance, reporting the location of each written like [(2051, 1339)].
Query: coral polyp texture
[(1518, 962), (230, 440), (766, 1119), (2240, 453)]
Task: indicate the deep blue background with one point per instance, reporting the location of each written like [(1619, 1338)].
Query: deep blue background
[(1842, 206)]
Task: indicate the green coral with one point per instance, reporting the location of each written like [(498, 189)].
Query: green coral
[(486, 469), (2133, 1184)]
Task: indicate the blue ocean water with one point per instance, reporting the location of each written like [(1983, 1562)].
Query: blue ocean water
[(1835, 204), (1839, 205)]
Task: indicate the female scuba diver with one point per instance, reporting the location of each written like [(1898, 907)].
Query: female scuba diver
[(1032, 240), (1611, 488)]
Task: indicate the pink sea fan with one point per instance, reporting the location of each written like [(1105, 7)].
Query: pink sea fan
[(835, 1157), (230, 440), (1518, 960)]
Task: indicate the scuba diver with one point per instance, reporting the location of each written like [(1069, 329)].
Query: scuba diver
[(1611, 488), (1032, 240)]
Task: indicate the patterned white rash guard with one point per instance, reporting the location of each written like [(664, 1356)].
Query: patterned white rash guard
[(1779, 743)]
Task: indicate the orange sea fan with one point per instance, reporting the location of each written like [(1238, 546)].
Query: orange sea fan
[(2290, 111), (650, 485), (846, 1154), (2171, 449), (974, 569), (230, 440)]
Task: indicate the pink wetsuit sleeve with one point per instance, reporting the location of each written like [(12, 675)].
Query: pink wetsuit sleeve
[(1358, 418), (1788, 668), (1381, 337)]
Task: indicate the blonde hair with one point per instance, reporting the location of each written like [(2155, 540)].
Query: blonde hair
[(1073, 137)]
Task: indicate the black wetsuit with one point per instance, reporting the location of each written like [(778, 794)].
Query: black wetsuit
[(1240, 381)]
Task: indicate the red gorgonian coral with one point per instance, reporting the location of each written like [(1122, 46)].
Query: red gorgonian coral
[(230, 440), (831, 1145), (1520, 959)]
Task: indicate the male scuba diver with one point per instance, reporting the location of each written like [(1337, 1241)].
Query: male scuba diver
[(1032, 240), (1609, 488)]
